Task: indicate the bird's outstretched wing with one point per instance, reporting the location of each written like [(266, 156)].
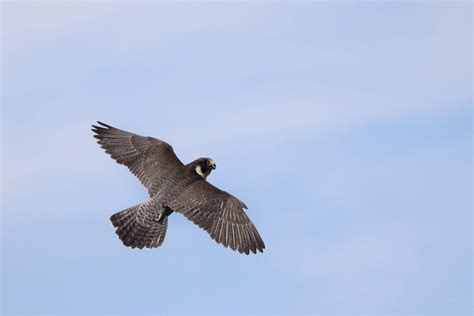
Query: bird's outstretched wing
[(220, 214), (149, 159)]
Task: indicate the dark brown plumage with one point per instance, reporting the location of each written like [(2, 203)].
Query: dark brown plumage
[(174, 187)]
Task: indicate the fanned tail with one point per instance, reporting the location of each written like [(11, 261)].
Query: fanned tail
[(140, 226)]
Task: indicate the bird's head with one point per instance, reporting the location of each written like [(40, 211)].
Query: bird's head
[(204, 166)]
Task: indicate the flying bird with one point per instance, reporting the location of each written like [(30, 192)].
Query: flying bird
[(174, 187)]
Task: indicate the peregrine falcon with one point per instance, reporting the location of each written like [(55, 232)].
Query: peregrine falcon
[(174, 187)]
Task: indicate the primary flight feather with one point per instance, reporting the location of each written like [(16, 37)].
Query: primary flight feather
[(174, 187)]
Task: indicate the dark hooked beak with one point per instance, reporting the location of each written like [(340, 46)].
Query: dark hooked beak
[(213, 166)]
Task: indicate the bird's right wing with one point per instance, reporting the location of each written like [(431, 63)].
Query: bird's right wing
[(149, 159), (220, 214)]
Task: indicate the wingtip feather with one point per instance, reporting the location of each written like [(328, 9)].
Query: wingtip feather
[(103, 124)]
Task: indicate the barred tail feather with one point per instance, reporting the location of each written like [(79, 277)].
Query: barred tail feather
[(136, 230), (121, 218)]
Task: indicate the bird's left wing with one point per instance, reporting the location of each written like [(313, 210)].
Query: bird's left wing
[(220, 214), (151, 160)]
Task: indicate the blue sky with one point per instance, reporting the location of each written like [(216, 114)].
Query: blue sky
[(345, 127)]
